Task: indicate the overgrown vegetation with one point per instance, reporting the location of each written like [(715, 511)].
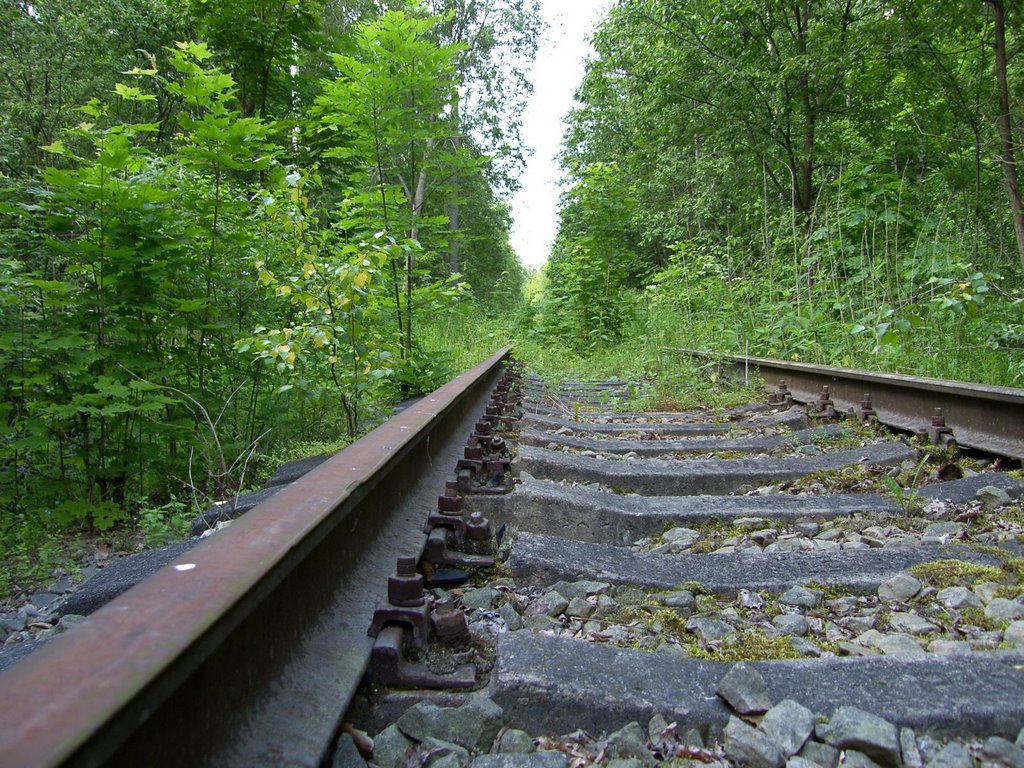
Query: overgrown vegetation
[(229, 225), (833, 182)]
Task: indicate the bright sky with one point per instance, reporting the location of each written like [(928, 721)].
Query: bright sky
[(557, 72)]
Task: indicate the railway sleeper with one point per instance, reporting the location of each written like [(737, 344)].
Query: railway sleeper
[(607, 637)]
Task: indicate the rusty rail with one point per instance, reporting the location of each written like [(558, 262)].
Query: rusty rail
[(246, 650), (986, 418)]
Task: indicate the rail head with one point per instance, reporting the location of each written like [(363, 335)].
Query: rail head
[(270, 614), (984, 417)]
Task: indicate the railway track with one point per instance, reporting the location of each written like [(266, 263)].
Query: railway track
[(574, 585)]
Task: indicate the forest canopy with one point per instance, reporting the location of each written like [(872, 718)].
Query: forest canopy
[(225, 225), (823, 180)]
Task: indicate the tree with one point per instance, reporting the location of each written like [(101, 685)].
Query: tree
[(261, 42), (387, 108)]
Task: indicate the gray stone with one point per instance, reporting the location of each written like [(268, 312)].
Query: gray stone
[(391, 748), (750, 523), (1014, 634), (473, 725), (953, 755), (791, 624), (679, 599), (992, 497), (571, 589), (805, 647), (546, 759), (630, 741), (810, 529), (854, 759), (516, 742), (548, 604), (541, 623), (899, 643), (1019, 741), (683, 537), (911, 624), (69, 620), (744, 690), (958, 598), (800, 762), (765, 536), (908, 749), (788, 724), (656, 726), (750, 747), (346, 755), (43, 600), (580, 607), (710, 630), (801, 597), (12, 622), (853, 728), (900, 587), (484, 598), (511, 616), (945, 530), (1001, 609), (1004, 752), (443, 754), (606, 606), (61, 586), (859, 624), (748, 599), (949, 646), (824, 755), (987, 591)]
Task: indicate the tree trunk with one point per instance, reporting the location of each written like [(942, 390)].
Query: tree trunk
[(453, 236), (1005, 130)]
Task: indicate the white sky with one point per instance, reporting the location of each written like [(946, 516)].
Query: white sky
[(556, 73)]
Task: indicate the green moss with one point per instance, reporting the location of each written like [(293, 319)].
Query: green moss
[(694, 587), (666, 621), (858, 477), (977, 618), (749, 646), (1015, 567), (1010, 592), (947, 573)]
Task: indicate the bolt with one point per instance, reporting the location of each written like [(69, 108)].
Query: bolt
[(449, 505), (449, 624), (497, 444), (867, 411), (405, 588), (938, 419), (478, 528)]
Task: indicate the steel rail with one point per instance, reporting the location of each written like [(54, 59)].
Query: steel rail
[(245, 651), (983, 417)]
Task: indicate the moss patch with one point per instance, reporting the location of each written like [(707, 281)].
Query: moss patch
[(751, 645), (947, 573)]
